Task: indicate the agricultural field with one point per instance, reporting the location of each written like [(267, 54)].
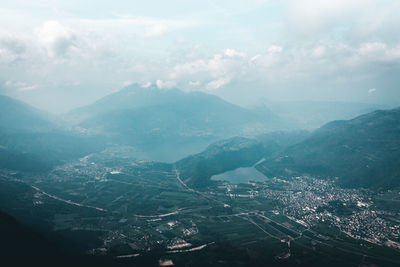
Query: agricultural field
[(138, 209)]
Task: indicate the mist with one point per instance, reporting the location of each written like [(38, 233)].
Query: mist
[(58, 56)]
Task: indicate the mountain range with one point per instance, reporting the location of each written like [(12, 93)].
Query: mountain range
[(166, 125), (361, 152), (313, 114), (234, 153), (32, 140), (175, 126)]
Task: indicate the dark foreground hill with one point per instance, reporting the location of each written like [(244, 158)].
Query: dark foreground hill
[(23, 246), (362, 152)]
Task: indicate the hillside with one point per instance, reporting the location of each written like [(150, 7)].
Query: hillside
[(41, 250), (362, 152), (31, 141), (233, 153), (18, 116), (314, 114), (167, 125)]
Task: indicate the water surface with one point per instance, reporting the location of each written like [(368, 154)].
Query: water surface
[(240, 175)]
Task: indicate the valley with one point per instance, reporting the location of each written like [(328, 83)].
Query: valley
[(133, 208), (125, 186)]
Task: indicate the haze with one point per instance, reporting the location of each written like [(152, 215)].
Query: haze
[(58, 55)]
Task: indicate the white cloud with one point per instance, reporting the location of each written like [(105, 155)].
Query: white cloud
[(378, 52), (265, 60), (372, 90), (372, 48), (234, 53), (27, 88), (165, 84), (314, 15), (125, 25), (8, 84), (19, 86), (215, 84), (12, 43), (12, 47), (127, 83), (275, 49), (146, 85), (55, 38), (319, 51), (194, 83), (199, 67), (214, 72), (6, 56), (314, 42), (14, 84)]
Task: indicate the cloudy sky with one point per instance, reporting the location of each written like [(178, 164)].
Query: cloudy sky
[(58, 54)]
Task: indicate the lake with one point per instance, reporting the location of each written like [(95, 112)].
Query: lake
[(240, 175)]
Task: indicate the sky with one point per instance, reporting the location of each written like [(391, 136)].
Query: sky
[(58, 55)]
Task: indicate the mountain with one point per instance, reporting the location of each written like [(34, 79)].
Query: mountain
[(314, 114), (166, 125), (361, 152), (30, 140), (17, 116), (196, 170)]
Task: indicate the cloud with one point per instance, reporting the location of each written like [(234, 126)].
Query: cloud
[(310, 16), (165, 84), (234, 53), (19, 86), (55, 38), (127, 83), (296, 44), (276, 66), (12, 43), (216, 66), (374, 52), (372, 48), (14, 84), (215, 84), (319, 51), (6, 56), (12, 47), (264, 61), (372, 90), (215, 71), (269, 59), (146, 85), (128, 25), (88, 38), (275, 49), (194, 83), (27, 88)]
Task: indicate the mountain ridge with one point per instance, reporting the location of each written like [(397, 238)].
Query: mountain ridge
[(364, 151), (16, 115), (158, 121)]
